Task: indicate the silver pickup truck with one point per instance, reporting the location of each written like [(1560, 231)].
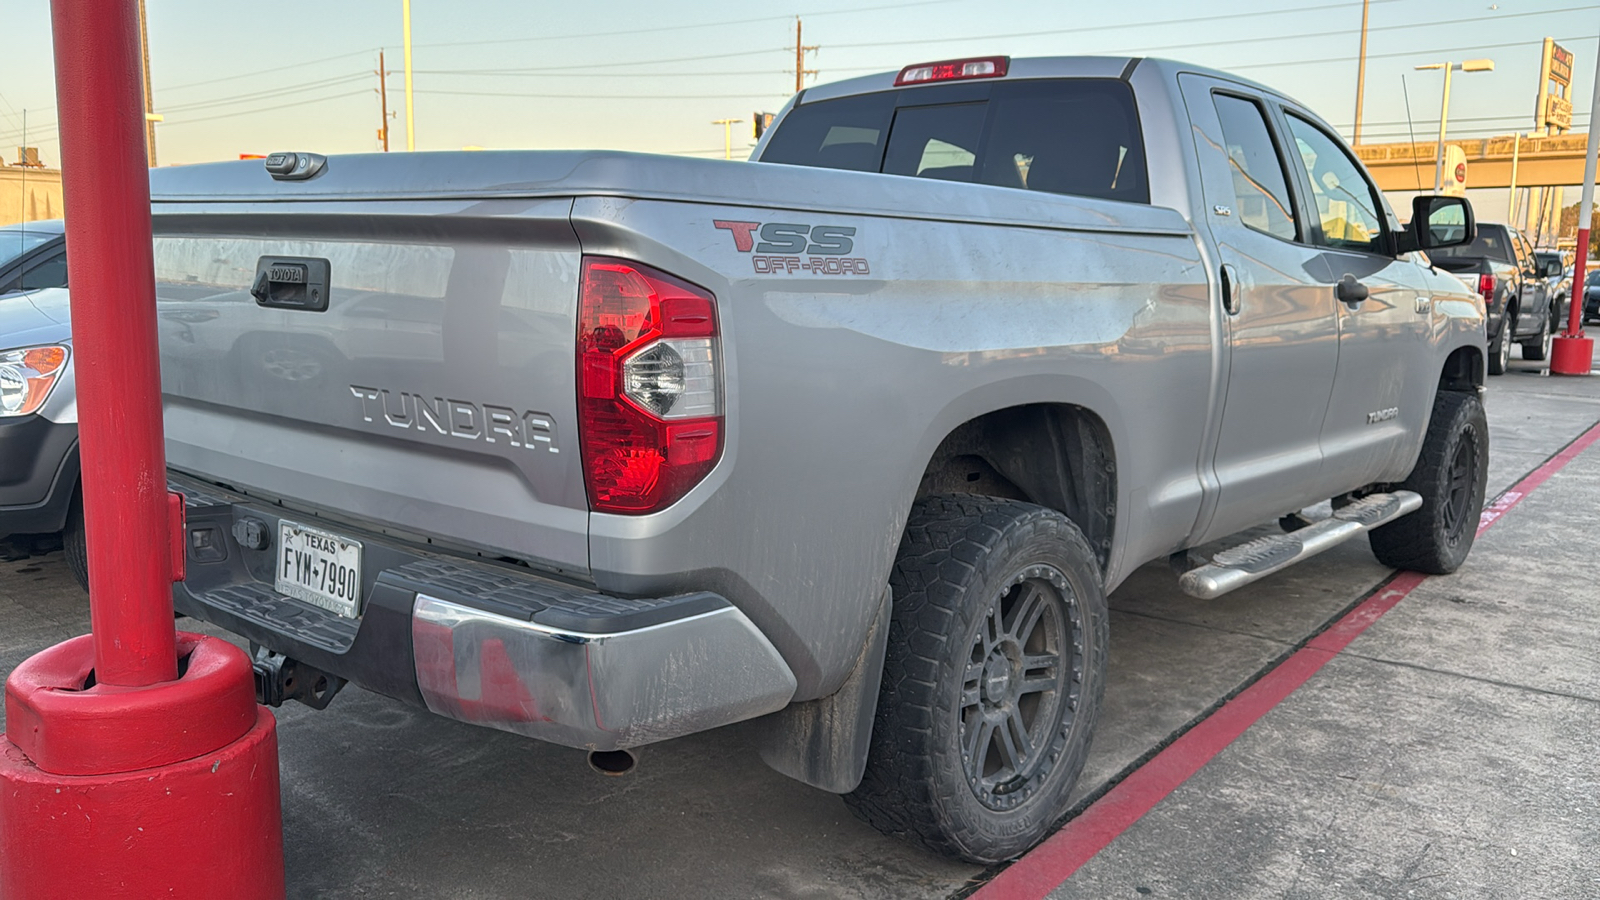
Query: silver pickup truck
[(847, 443)]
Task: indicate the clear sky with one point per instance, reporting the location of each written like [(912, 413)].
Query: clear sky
[(235, 77)]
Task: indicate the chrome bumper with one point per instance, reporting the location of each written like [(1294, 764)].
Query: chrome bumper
[(622, 685)]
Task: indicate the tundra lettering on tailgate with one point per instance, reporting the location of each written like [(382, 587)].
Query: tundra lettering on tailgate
[(457, 418), (786, 247)]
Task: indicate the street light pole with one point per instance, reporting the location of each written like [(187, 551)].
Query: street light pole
[(1471, 65), (727, 135)]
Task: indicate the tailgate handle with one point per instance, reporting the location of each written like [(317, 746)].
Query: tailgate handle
[(291, 282)]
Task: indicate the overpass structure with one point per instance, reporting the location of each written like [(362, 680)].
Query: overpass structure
[(1541, 161)]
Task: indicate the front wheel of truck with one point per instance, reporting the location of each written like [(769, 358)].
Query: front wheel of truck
[(1451, 475), (992, 680)]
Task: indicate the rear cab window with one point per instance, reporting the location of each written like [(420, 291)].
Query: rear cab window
[(1492, 242), (1077, 136)]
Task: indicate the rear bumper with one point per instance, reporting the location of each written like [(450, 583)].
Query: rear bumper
[(490, 644), (38, 474)]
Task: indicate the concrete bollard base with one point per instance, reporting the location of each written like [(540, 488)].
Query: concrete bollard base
[(169, 790), (1571, 355)]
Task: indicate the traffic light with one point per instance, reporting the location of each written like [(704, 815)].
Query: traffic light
[(763, 121)]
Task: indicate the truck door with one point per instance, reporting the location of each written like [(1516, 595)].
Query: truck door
[(1533, 292), (1383, 391), (1278, 321)]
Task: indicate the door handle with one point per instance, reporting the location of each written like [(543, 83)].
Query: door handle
[(1350, 291), (1424, 305), (1231, 289)]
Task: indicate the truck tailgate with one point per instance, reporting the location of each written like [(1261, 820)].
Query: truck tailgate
[(434, 393)]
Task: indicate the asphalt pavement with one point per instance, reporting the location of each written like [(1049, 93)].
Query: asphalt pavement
[(1449, 751)]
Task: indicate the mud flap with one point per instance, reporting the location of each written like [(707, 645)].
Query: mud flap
[(824, 742)]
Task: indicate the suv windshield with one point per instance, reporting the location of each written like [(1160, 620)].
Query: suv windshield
[(1075, 136), (1492, 242), (16, 240)]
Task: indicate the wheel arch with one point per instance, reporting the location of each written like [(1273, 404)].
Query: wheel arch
[(1464, 369), (1057, 455)]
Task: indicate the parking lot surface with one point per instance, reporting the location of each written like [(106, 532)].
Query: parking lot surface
[(1450, 750)]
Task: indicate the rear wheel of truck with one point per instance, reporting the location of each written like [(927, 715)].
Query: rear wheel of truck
[(1450, 475), (1537, 349), (992, 681), (1500, 348)]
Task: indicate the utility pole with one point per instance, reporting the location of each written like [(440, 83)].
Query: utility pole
[(383, 99), (727, 135), (1361, 72), (411, 132), (150, 117), (800, 50)]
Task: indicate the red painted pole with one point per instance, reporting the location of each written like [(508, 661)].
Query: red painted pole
[(1572, 353), (121, 778), (112, 273)]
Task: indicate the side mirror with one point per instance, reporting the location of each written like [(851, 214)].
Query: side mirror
[(1553, 268), (1438, 222)]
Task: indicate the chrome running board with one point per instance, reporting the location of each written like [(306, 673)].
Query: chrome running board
[(1236, 567)]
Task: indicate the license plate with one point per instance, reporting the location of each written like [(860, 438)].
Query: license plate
[(319, 568)]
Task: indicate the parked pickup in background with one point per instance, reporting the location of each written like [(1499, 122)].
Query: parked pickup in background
[(1515, 288), (848, 443)]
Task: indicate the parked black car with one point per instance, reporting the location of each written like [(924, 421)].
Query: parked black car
[(1500, 263), (1591, 296)]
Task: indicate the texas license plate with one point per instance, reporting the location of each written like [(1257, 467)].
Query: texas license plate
[(319, 568)]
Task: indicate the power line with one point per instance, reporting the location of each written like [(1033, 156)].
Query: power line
[(251, 112), (1404, 53), (615, 65), (759, 95), (593, 34), (298, 65), (269, 94), (1146, 49), (522, 73)]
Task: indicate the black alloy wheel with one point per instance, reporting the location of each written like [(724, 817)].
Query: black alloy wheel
[(1023, 674)]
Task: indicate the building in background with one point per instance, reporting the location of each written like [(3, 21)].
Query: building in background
[(29, 191)]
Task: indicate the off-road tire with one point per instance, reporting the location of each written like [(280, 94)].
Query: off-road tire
[(1537, 349), (1500, 348), (961, 557), (1450, 475), (74, 545)]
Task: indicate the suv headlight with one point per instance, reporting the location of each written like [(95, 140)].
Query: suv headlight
[(27, 376)]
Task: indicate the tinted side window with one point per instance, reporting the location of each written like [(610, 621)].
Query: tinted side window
[(1260, 184), (50, 273), (1075, 136), (847, 133), (1492, 242), (1346, 202)]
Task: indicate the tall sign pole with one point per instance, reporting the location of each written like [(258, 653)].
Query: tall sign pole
[(1361, 71), (128, 742), (411, 129), (1572, 353)]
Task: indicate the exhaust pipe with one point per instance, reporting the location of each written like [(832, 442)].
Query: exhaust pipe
[(612, 762)]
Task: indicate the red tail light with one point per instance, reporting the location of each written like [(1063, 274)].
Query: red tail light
[(649, 386), (1486, 285), (954, 70)]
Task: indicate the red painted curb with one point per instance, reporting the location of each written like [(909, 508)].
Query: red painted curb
[(1044, 868)]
